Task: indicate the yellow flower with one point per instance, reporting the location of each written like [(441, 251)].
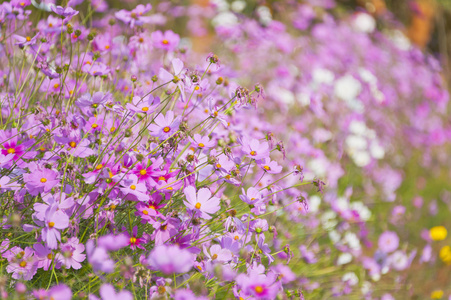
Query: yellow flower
[(438, 233), (437, 294), (445, 254)]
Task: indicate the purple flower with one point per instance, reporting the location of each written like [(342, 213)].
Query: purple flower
[(167, 41), (170, 259), (202, 203), (388, 241), (134, 240), (259, 286), (165, 126)]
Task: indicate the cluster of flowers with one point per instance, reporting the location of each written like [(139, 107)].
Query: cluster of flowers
[(129, 170)]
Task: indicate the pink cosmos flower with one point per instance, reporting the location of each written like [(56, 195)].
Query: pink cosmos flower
[(170, 259), (72, 253), (252, 196), (165, 126), (255, 149), (54, 221), (167, 41), (202, 142), (135, 17), (388, 241), (40, 180), (146, 105), (259, 286), (218, 254), (269, 166), (45, 257), (67, 13), (132, 189), (107, 292), (22, 263), (202, 203), (57, 292)]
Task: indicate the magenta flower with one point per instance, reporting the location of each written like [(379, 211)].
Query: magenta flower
[(388, 241), (54, 221), (259, 286), (170, 259), (203, 203), (165, 126), (134, 240), (98, 258), (167, 41)]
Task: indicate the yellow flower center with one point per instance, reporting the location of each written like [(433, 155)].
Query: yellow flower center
[(152, 207), (218, 166), (214, 256), (145, 108), (107, 47), (236, 238), (99, 167), (28, 38), (133, 187), (165, 42), (197, 206), (23, 264), (199, 268), (43, 180), (112, 129), (161, 178), (201, 145), (143, 172), (56, 85), (73, 144), (51, 224), (253, 153), (11, 151), (132, 240), (167, 129), (258, 289), (49, 256), (145, 212), (94, 125), (197, 88), (267, 168)]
